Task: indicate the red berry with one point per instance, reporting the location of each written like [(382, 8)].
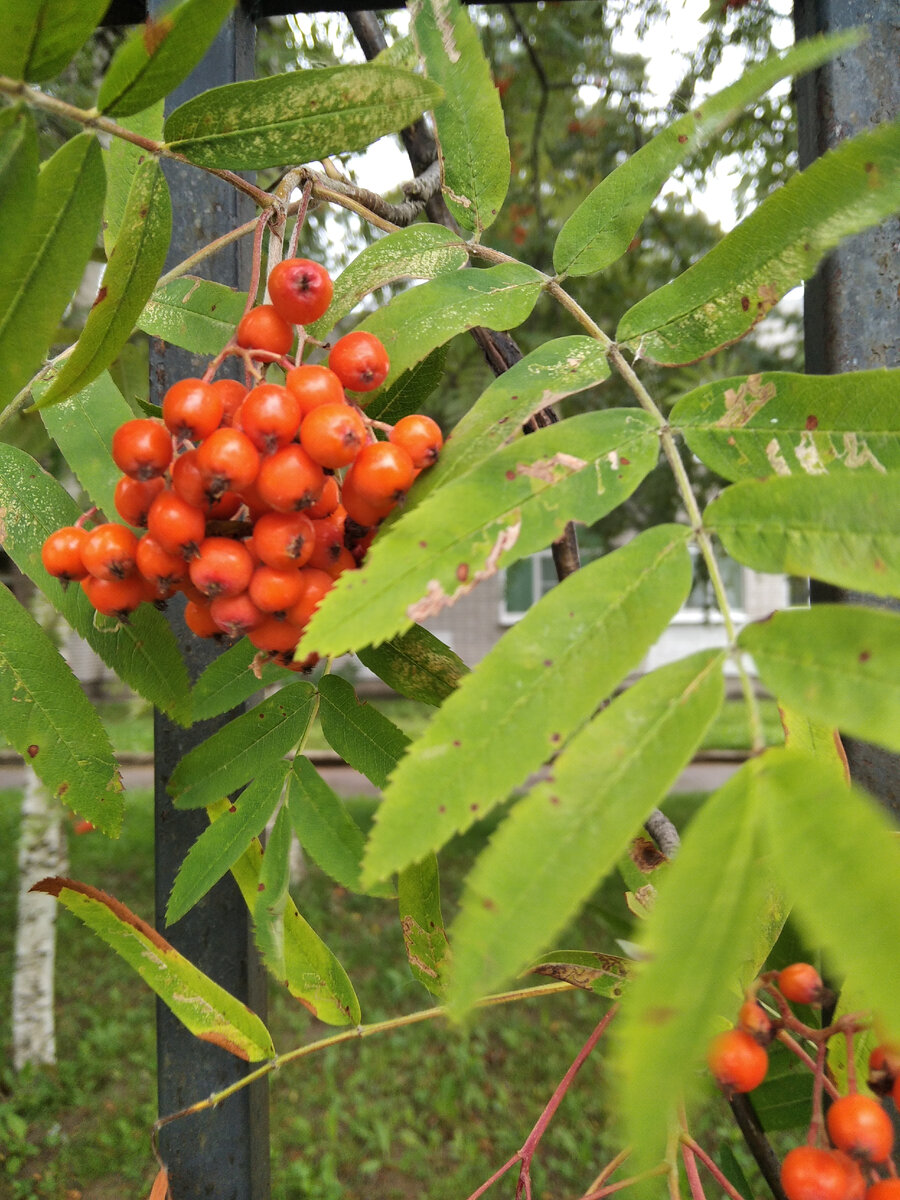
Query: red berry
[(300, 290), (109, 550), (192, 409), (133, 498), (142, 448), (808, 1173), (284, 539), (333, 434), (158, 566), (199, 620), (345, 561), (327, 502), (317, 585), (115, 597), (382, 473), (289, 480), (222, 567), (263, 329), (179, 527), (754, 1019), (360, 361), (275, 636), (328, 540), (236, 615), (859, 1126), (420, 437), (314, 384), (884, 1189), (274, 590), (232, 394), (738, 1063), (61, 553), (228, 461), (801, 984), (269, 416), (359, 508)]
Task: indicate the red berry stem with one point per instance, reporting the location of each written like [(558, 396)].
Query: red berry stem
[(795, 1048), (697, 1149), (600, 1193), (693, 1175), (301, 219), (816, 1133), (255, 268), (86, 516)]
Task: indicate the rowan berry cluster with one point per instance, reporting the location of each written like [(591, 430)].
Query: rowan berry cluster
[(254, 497), (847, 1164)]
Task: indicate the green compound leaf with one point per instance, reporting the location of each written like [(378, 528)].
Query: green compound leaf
[(230, 679), (560, 841), (193, 313), (159, 55), (143, 653), (122, 159), (311, 973), (205, 1008), (840, 528), (839, 664), (298, 117), (601, 229), (422, 923), (696, 939), (473, 148), (506, 508), (416, 664), (324, 828), (223, 842), (538, 685), (272, 897), (409, 391), (720, 298), (47, 718), (604, 974), (837, 858), (819, 741), (417, 321), (18, 183), (235, 753), (555, 370), (82, 428), (778, 423), (419, 252), (40, 37), (131, 273), (52, 248), (363, 736)]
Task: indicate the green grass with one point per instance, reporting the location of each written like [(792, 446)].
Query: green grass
[(426, 1110)]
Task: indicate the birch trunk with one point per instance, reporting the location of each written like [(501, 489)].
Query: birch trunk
[(42, 852)]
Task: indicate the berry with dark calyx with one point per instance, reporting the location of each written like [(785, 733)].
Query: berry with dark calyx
[(222, 567), (360, 510), (115, 597), (228, 461), (158, 566), (289, 480), (300, 290), (192, 409), (328, 540), (860, 1127), (236, 615), (142, 448), (284, 540), (133, 498), (314, 384), (809, 1173), (345, 561), (754, 1019), (275, 590), (108, 551), (382, 473), (275, 636), (61, 553), (420, 437), (801, 983), (737, 1061), (262, 328), (333, 434), (884, 1067), (179, 527), (360, 361), (269, 416), (328, 502), (856, 1180)]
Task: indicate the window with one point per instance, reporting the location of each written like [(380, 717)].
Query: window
[(524, 583)]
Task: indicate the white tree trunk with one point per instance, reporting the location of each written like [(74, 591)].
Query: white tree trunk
[(42, 852)]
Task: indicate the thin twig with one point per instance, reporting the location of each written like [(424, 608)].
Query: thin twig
[(713, 1169)]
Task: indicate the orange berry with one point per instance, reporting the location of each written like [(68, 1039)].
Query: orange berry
[(360, 361), (738, 1063), (262, 328)]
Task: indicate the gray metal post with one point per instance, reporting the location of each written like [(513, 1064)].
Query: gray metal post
[(852, 306), (223, 1153)]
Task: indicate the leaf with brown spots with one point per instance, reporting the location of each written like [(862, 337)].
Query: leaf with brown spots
[(604, 974), (777, 247), (205, 1008)]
